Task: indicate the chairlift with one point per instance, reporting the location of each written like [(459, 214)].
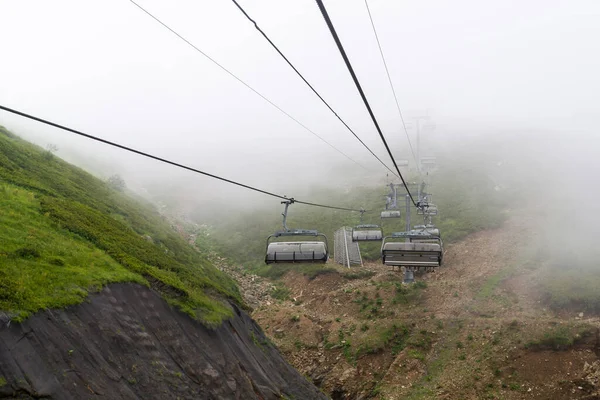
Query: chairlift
[(315, 251), (429, 209), (366, 232), (391, 205), (428, 160), (390, 214), (417, 250), (428, 163), (429, 228)]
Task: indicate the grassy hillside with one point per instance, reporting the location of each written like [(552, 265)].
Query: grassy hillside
[(66, 232)]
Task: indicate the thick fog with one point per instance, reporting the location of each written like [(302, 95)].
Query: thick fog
[(527, 70)]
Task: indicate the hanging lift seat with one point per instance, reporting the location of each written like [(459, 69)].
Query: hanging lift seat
[(430, 209), (300, 251), (404, 254), (290, 252), (364, 233), (417, 250), (390, 214), (429, 229)]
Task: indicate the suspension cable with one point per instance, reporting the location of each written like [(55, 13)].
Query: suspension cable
[(309, 85), (362, 94), (164, 160), (392, 87), (246, 84)]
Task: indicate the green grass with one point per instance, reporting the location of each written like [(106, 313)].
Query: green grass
[(572, 288), (358, 275), (65, 233), (561, 337), (280, 292), (31, 277), (393, 338), (277, 271)]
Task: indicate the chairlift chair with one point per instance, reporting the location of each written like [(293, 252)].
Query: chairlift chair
[(428, 209), (418, 250), (315, 251), (367, 232), (431, 160), (429, 228), (390, 214)]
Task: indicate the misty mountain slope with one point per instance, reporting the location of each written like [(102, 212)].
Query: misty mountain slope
[(61, 219), (476, 328), (97, 291)]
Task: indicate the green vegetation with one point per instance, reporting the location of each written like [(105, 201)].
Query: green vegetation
[(416, 354), (572, 286), (280, 292), (364, 274), (561, 337), (405, 294), (378, 339), (276, 271), (66, 233), (394, 337)]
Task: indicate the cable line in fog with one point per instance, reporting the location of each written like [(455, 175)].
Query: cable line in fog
[(362, 94), (392, 86), (311, 87), (164, 160), (245, 84)]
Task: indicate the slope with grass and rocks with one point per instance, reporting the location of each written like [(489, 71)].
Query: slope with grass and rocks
[(100, 296), (480, 327), (513, 313)]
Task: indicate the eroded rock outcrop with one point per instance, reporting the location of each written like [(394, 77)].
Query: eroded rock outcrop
[(127, 343)]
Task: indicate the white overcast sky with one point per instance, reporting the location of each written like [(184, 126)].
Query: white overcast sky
[(106, 68)]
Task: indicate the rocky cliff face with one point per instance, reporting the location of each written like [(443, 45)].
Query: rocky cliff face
[(127, 343)]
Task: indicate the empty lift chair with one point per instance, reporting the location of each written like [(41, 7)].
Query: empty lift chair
[(390, 214), (428, 209), (429, 229), (315, 251), (416, 250), (366, 232), (391, 204)]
